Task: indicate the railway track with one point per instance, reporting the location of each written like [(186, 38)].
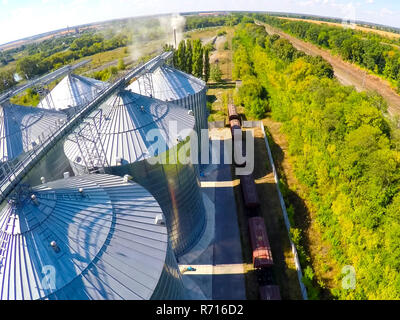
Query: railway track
[(348, 74)]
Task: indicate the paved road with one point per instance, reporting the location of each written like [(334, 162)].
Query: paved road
[(227, 245)]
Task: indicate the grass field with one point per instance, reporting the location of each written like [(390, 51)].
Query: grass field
[(386, 34)]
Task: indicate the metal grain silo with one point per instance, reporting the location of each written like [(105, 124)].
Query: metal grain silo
[(89, 237), (72, 92), (22, 128), (168, 84), (113, 140)]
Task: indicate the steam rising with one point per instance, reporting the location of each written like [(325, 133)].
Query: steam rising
[(171, 23), (150, 34)]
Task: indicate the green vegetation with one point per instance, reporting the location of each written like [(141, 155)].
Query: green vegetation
[(206, 63), (121, 64), (192, 57), (105, 74), (372, 51), (6, 80), (216, 73), (345, 154), (87, 45), (29, 98), (197, 22)]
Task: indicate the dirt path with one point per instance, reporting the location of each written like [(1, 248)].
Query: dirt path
[(347, 73)]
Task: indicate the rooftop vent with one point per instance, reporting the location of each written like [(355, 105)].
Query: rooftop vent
[(159, 220), (66, 175), (55, 247), (34, 200), (127, 178)]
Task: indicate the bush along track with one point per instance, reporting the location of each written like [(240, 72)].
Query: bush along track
[(344, 153)]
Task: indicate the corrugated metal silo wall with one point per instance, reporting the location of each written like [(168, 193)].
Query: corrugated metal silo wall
[(170, 285), (177, 190), (197, 103), (52, 166)]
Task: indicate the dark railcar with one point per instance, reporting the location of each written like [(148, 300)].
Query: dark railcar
[(239, 152), (235, 124), (262, 255), (232, 113), (270, 293), (249, 191)]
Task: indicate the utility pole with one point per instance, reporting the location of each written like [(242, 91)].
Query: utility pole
[(175, 39)]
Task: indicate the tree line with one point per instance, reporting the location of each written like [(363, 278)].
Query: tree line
[(376, 53), (192, 57), (346, 156), (38, 64), (198, 22)]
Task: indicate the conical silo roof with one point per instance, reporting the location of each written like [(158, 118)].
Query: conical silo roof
[(170, 84), (126, 120), (72, 91), (21, 127), (99, 242)]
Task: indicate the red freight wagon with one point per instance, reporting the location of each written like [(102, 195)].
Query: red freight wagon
[(270, 293), (249, 191), (239, 152), (232, 113), (236, 129), (262, 255)]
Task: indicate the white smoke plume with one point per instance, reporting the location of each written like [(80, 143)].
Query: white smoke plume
[(149, 35), (169, 24)]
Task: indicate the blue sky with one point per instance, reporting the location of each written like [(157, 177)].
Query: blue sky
[(22, 18)]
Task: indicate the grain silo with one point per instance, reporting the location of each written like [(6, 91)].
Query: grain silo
[(89, 237), (72, 92), (115, 142), (22, 128), (168, 84)]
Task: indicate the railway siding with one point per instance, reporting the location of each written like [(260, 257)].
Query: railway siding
[(347, 73)]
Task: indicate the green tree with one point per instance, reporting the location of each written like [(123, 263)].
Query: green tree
[(6, 80), (121, 64), (206, 65), (215, 73), (181, 56), (197, 69), (189, 56)]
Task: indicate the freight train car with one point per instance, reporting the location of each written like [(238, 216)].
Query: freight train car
[(236, 129), (249, 191), (262, 255), (269, 292), (239, 153), (232, 113)]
